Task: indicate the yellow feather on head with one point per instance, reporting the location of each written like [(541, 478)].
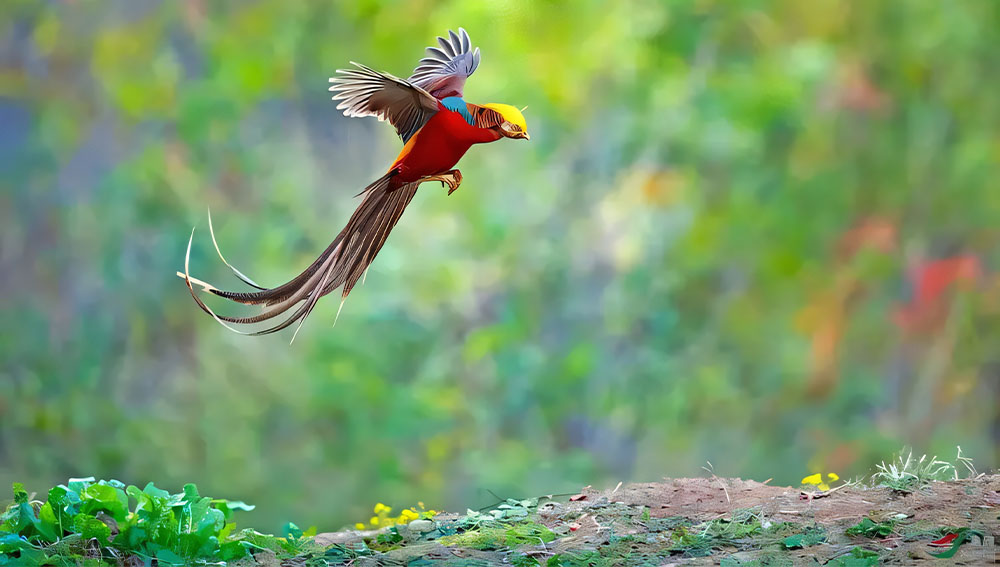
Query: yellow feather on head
[(510, 114)]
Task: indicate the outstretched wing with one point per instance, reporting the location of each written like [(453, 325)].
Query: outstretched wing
[(367, 92), (443, 72)]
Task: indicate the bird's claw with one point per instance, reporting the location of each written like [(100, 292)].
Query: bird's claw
[(456, 177), (451, 179)]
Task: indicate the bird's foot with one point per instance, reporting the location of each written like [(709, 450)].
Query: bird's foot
[(452, 179), (456, 176)]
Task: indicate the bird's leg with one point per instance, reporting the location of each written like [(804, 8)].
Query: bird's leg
[(452, 178)]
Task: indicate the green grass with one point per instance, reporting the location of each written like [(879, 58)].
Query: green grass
[(906, 473)]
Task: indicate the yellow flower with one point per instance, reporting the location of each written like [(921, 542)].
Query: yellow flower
[(817, 480), (384, 518), (813, 479)]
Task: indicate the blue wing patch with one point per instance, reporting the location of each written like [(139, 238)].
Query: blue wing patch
[(456, 104)]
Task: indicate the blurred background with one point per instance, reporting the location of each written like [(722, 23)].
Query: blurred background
[(757, 233)]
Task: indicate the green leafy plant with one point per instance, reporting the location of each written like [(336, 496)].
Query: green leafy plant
[(809, 536), (522, 560), (386, 541), (701, 539), (501, 535), (741, 524), (869, 528), (111, 520), (510, 512), (858, 557)]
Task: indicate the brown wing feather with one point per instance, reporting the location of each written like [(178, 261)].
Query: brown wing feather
[(366, 92)]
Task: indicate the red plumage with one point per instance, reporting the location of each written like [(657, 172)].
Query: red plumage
[(437, 147)]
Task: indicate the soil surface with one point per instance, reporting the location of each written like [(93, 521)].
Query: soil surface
[(707, 521)]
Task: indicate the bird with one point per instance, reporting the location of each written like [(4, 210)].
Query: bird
[(437, 127)]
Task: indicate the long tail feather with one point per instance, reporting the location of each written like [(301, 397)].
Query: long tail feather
[(342, 264), (242, 277)]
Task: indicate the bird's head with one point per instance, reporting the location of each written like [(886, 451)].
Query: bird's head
[(513, 125)]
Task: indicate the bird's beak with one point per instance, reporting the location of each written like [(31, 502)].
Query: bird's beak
[(514, 135)]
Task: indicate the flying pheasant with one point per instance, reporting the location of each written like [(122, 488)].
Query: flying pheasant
[(436, 126)]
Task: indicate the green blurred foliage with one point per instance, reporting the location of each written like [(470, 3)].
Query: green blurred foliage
[(721, 244)]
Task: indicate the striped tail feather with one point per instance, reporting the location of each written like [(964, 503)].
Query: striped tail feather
[(342, 264)]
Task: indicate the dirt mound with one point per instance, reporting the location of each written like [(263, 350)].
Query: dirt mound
[(703, 521)]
